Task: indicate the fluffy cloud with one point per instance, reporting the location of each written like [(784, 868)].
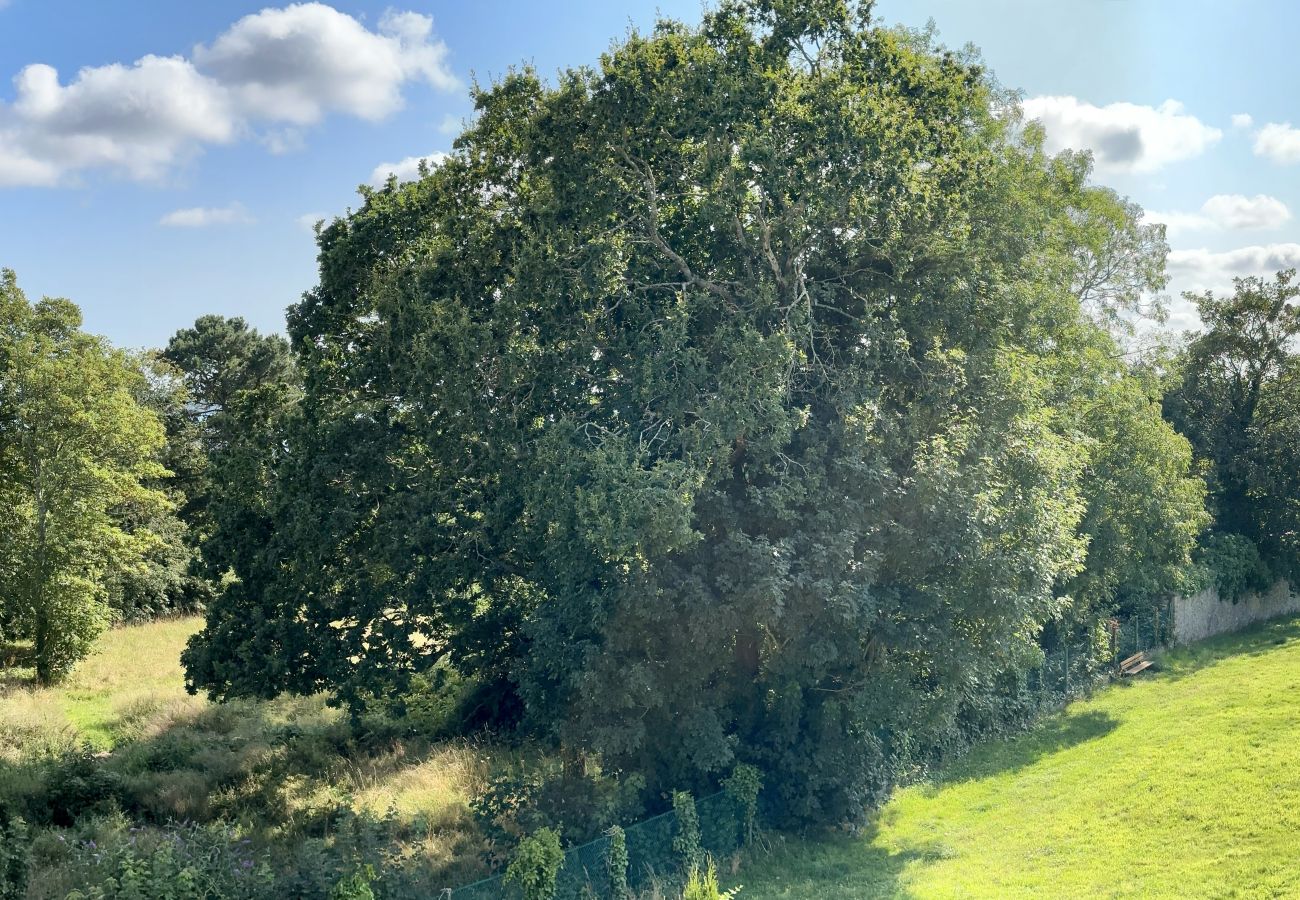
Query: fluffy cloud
[(1227, 211), (278, 70), (1242, 120), (203, 216), (1123, 137), (406, 170), (1237, 211), (1203, 269), (1206, 270), (298, 63), (1279, 142), (139, 119)]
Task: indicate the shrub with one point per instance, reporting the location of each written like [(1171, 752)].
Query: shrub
[(355, 886), (617, 864), (582, 806), (702, 884), (1235, 565), (177, 863), (536, 864), (15, 857), (743, 786), (76, 784), (686, 844)]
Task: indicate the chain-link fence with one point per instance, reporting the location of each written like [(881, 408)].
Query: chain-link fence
[(1064, 673), (1076, 668), (651, 857)]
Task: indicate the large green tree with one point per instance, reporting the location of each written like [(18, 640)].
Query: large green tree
[(220, 361), (709, 404), (1237, 398), (170, 580), (76, 448)]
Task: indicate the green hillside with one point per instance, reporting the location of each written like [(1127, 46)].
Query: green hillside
[(1183, 784)]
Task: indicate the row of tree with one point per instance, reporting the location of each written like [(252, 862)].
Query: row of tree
[(766, 395), (106, 474)]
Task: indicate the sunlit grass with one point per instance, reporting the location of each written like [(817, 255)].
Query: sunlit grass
[(280, 769), (1184, 784)]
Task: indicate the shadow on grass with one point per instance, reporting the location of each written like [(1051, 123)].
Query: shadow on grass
[(834, 867), (1053, 734)]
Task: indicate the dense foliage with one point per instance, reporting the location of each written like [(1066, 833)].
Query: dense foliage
[(78, 460), (750, 397), (1236, 395), (761, 401)]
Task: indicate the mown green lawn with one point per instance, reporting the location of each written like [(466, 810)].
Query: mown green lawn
[(1181, 784)]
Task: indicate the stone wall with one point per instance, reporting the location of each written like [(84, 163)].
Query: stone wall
[(1204, 614)]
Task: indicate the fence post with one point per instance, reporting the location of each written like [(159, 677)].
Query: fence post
[(1067, 670)]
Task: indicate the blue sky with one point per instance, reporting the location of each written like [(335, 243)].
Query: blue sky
[(159, 160)]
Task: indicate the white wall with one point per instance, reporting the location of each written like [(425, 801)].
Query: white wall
[(1204, 614)]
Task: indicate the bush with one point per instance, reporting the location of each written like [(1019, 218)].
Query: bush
[(686, 843), (536, 864), (617, 864), (702, 884), (75, 784), (743, 786), (177, 863), (356, 886), (1235, 565), (15, 857), (582, 806)]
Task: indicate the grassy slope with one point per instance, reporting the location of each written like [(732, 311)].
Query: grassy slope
[(1183, 784), (276, 767)]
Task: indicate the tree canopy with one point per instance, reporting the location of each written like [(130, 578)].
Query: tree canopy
[(78, 453), (1236, 395), (748, 397)]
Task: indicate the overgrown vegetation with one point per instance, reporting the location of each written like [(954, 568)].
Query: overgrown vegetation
[(757, 407), (748, 399), (102, 768)]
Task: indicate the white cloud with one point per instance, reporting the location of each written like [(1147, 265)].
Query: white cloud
[(1242, 120), (280, 141), (138, 119), (1239, 212), (1233, 212), (298, 63), (280, 69), (1280, 142), (1123, 137), (406, 170), (204, 216), (1203, 269)]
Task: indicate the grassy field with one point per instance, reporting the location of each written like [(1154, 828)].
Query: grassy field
[(280, 770), (1182, 784)]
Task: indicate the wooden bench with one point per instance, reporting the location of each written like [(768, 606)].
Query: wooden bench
[(1138, 662)]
